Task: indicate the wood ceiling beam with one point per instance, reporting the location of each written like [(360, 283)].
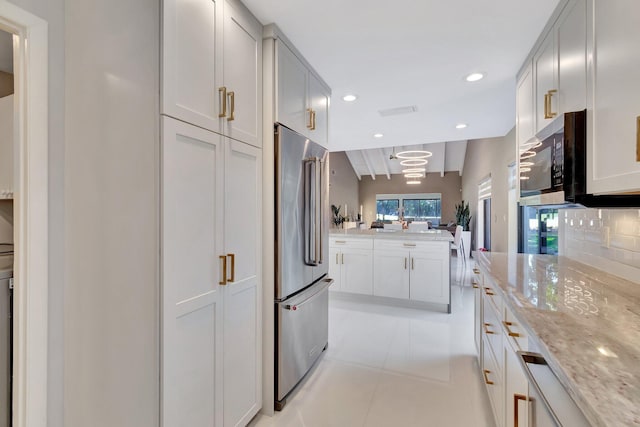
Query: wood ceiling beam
[(367, 162), (353, 164)]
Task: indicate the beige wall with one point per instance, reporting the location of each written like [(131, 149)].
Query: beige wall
[(343, 183), (6, 84), (489, 157), (449, 186)]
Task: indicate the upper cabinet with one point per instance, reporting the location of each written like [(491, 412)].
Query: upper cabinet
[(211, 67), (301, 97), (613, 122), (559, 66), (524, 106)]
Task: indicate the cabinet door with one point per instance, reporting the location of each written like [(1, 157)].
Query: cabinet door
[(477, 319), (571, 33), (242, 75), (357, 271), (429, 279), (524, 109), (191, 69), (613, 151), (192, 315), (391, 274), (242, 294), (516, 385), (335, 260), (319, 104), (544, 65), (291, 90)]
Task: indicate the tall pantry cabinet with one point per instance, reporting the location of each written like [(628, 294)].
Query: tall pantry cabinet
[(211, 213)]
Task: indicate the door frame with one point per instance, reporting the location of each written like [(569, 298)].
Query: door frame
[(31, 193)]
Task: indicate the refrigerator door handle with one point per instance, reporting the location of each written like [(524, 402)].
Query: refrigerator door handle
[(294, 307), (318, 222), (310, 207)]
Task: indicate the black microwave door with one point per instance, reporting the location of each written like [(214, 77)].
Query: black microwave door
[(575, 155)]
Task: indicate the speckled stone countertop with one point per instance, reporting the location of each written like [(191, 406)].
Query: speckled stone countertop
[(379, 233), (586, 324)]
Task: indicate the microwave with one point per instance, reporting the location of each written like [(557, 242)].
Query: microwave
[(553, 165)]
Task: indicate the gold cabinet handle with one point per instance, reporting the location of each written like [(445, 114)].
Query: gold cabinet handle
[(405, 263), (486, 329), (313, 120), (546, 106), (341, 241), (310, 123), (509, 332), (233, 268), (488, 290), (474, 285), (548, 113), (476, 271), (412, 265), (222, 93), (342, 258), (486, 378), (337, 259), (516, 398), (224, 270), (232, 104)]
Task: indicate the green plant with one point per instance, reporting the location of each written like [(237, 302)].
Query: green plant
[(463, 215), (337, 218)]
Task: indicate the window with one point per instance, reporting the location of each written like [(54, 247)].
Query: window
[(416, 207)]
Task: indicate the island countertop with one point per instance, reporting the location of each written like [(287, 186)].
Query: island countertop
[(380, 233), (586, 323)]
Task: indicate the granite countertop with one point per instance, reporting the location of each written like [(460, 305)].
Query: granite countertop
[(380, 233), (586, 323)]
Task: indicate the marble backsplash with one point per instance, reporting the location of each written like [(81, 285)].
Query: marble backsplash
[(608, 239)]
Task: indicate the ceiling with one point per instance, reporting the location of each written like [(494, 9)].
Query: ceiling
[(413, 53)]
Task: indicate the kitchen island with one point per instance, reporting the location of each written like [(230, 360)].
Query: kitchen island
[(583, 321), (401, 267)]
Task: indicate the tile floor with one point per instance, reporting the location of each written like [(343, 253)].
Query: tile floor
[(389, 366)]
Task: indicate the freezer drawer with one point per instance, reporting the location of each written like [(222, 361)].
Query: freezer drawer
[(303, 333)]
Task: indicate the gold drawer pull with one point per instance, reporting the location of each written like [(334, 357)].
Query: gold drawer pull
[(488, 290), (486, 329), (224, 270), (476, 271), (486, 378), (341, 241), (474, 285), (222, 91), (511, 334), (517, 397)]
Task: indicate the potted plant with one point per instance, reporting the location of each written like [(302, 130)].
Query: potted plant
[(463, 218), (337, 218)]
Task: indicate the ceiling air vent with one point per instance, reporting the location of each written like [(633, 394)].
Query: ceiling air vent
[(398, 111)]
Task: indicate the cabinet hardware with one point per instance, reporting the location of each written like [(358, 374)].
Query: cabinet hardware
[(638, 139), (313, 120), (486, 379), (548, 113), (412, 266), (310, 124), (486, 329), (488, 290), (224, 270), (409, 245), (337, 259), (342, 258), (511, 334), (232, 102), (516, 398), (222, 92), (341, 241), (233, 268), (405, 263), (474, 285), (476, 271)]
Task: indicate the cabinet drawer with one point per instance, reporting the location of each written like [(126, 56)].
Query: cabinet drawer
[(492, 330), (477, 278), (350, 242), (411, 245), (493, 382), (513, 330)]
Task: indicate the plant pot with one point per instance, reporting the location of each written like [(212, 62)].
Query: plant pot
[(466, 241)]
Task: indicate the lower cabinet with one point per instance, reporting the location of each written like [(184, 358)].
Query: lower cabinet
[(211, 314), (516, 390), (351, 265)]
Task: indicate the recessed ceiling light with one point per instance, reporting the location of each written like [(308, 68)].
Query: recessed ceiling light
[(378, 135), (461, 126), (349, 97), (413, 182), (474, 77)]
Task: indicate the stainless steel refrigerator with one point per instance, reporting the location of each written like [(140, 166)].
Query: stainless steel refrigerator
[(302, 251)]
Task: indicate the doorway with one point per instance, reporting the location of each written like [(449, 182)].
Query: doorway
[(29, 195)]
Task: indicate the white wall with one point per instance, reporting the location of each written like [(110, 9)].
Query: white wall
[(112, 139), (608, 239), (53, 12)]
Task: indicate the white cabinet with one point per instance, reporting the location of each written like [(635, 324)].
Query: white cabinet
[(302, 101), (351, 265), (516, 390), (524, 106), (544, 67), (211, 67), (477, 283), (6, 147), (415, 270), (571, 42), (211, 274), (613, 134)]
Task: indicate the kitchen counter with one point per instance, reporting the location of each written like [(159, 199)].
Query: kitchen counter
[(586, 324), (380, 233)]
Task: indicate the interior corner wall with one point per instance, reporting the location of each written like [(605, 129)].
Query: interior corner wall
[(449, 186), (486, 157), (343, 183), (53, 12), (112, 119)]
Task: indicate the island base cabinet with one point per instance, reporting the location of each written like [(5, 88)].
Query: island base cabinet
[(351, 265), (391, 278), (429, 277), (335, 271)]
